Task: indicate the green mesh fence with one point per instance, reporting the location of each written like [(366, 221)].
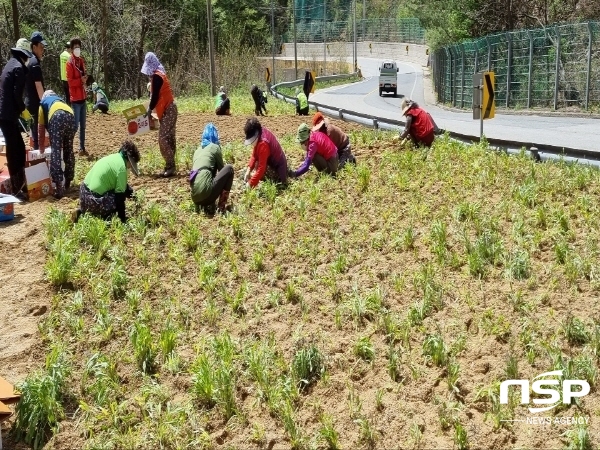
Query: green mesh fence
[(556, 67), (379, 30)]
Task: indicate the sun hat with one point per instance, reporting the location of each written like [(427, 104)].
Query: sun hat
[(406, 105), (23, 46), (130, 150), (303, 133), (38, 38), (252, 130), (251, 139), (318, 121)]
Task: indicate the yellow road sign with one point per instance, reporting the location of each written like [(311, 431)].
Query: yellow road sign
[(267, 75), (488, 103), (313, 76)]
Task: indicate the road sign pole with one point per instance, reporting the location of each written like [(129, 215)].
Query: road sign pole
[(482, 112)]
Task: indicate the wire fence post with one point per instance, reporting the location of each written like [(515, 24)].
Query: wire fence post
[(476, 58), (454, 76), (557, 71), (462, 76), (489, 47), (589, 65), (508, 67), (530, 78)]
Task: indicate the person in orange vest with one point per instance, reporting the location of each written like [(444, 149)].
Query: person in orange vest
[(420, 127), (77, 78), (162, 102)]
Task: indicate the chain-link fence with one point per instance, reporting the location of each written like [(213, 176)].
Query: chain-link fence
[(557, 67), (379, 30)]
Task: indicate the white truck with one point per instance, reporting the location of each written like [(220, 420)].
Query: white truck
[(388, 77)]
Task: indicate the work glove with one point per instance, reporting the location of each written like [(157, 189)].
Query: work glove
[(291, 173), (25, 115)]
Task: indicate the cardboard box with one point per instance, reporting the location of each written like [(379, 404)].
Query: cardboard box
[(5, 186), (39, 184), (7, 207), (33, 155), (137, 124)]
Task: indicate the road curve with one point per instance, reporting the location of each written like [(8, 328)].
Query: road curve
[(583, 133)]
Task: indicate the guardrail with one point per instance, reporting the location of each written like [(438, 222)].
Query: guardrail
[(537, 151)]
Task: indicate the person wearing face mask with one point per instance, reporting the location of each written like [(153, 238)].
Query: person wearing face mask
[(77, 77), (12, 85), (57, 117), (268, 159), (320, 151), (35, 84), (162, 102)]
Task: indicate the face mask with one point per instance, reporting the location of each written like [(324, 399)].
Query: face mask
[(77, 52)]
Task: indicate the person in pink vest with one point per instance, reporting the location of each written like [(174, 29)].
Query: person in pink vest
[(320, 152)]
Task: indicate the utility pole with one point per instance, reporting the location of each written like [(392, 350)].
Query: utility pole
[(355, 49), (211, 49), (324, 37), (364, 21), (273, 36), (295, 41)]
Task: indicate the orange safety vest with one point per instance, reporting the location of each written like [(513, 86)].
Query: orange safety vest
[(165, 96)]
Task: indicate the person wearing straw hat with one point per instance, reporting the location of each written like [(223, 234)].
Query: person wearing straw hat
[(210, 179), (301, 103), (58, 118), (268, 159), (163, 103), (12, 85), (337, 136), (320, 152), (419, 125), (104, 188), (222, 103)]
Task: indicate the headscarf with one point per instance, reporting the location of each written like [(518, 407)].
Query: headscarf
[(152, 64), (47, 93), (210, 135)]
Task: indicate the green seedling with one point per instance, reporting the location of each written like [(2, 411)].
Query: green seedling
[(364, 349)]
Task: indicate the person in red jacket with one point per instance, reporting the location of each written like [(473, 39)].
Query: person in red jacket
[(268, 159), (419, 125), (320, 151), (163, 103), (77, 78)]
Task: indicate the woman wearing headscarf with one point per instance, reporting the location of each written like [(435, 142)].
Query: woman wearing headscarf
[(57, 117), (163, 103), (419, 124), (321, 152), (104, 188), (268, 159), (210, 179)]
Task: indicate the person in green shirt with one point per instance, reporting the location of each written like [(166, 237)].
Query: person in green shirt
[(105, 187), (64, 57), (301, 103), (210, 179), (222, 106)]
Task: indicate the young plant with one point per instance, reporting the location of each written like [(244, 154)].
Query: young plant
[(307, 366), (367, 434), (575, 331), (435, 349), (143, 347), (460, 437), (364, 349), (327, 432)]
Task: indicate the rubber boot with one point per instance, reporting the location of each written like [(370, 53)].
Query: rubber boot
[(223, 201)]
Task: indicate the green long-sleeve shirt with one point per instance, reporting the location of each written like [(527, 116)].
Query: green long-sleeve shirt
[(108, 174), (208, 157)]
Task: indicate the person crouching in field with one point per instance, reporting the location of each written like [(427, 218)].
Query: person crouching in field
[(419, 124), (301, 103), (58, 118), (268, 159), (260, 98), (222, 104), (104, 188), (100, 99), (320, 151), (337, 136), (210, 179)]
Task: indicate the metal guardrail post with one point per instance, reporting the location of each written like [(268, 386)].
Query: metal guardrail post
[(557, 72), (589, 66), (508, 67), (530, 79)]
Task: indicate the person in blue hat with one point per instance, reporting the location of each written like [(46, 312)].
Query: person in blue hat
[(35, 84), (12, 85), (210, 179)]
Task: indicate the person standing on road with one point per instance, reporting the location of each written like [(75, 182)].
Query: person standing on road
[(77, 78), (320, 152), (210, 179), (337, 136), (301, 103), (104, 188), (419, 124), (35, 85), (64, 58), (162, 102), (222, 103), (268, 159), (57, 117), (12, 85)]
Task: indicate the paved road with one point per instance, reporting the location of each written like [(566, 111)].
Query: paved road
[(364, 97)]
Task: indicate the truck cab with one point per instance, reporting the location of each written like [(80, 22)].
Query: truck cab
[(388, 77)]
